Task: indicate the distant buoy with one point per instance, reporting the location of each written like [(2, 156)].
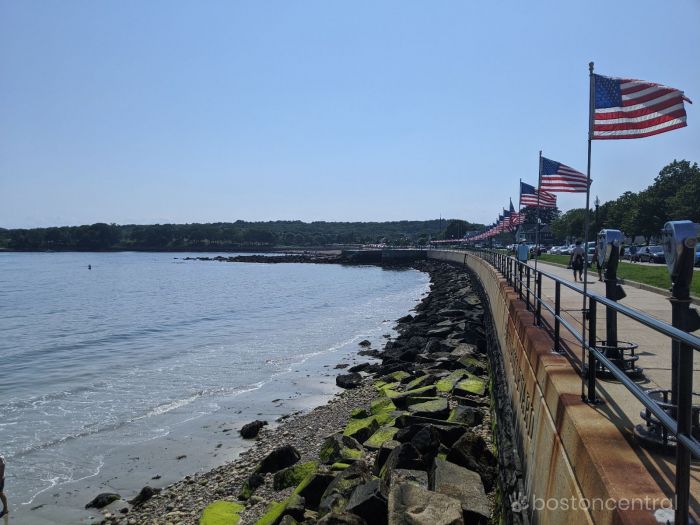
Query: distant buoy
[(89, 266)]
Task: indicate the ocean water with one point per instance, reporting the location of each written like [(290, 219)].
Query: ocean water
[(108, 374)]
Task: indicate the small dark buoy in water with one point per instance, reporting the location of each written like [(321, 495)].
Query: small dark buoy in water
[(89, 266)]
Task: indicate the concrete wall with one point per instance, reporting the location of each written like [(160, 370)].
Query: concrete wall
[(571, 452)]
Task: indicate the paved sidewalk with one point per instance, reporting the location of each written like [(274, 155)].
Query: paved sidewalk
[(620, 406)]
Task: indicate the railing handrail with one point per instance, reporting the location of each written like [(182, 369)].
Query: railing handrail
[(643, 397), (645, 319)]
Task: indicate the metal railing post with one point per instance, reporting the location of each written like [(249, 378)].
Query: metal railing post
[(557, 313), (527, 287), (538, 298), (592, 307)]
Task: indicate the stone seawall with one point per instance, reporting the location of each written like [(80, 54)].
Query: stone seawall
[(578, 466)]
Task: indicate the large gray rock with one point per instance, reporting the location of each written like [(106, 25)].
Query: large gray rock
[(313, 489), (472, 452), (278, 459), (417, 477), (338, 447), (369, 502), (341, 518), (351, 380), (410, 504), (405, 456), (102, 500), (464, 485)]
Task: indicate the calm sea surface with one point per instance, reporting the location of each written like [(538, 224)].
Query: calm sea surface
[(93, 362)]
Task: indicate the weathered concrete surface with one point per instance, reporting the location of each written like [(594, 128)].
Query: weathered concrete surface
[(572, 452)]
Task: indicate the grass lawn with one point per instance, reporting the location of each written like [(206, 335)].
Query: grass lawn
[(641, 273)]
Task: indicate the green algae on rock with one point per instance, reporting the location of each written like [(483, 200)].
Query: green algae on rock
[(221, 513)]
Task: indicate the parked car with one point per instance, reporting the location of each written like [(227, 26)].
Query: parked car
[(654, 254), (697, 256)]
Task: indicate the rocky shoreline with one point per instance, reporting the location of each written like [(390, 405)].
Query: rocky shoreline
[(410, 440)]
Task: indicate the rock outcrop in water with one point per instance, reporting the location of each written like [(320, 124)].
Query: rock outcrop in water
[(412, 443)]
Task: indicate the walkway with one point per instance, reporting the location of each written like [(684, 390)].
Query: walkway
[(655, 358)]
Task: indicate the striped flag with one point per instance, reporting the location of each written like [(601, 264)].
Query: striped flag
[(528, 197), (558, 177), (631, 109), (517, 218)]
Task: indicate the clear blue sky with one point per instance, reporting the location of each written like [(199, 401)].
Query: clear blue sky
[(163, 111)]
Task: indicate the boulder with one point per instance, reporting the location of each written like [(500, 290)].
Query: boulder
[(464, 485), (143, 496), (341, 518), (250, 430), (472, 452), (338, 493), (249, 486), (365, 343), (351, 380), (102, 500), (383, 454), (468, 416), (221, 512), (412, 504), (278, 459), (435, 408), (361, 429), (312, 488), (376, 440), (405, 456), (292, 476), (338, 447), (359, 368), (369, 502), (417, 477)]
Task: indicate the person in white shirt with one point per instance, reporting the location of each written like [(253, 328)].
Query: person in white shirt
[(578, 256)]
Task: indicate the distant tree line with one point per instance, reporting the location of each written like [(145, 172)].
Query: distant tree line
[(226, 236), (674, 195)]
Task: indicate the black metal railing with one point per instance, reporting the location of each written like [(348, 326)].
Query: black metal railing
[(527, 282)]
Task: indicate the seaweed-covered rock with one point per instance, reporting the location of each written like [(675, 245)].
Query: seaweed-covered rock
[(312, 488), (292, 476), (278, 459), (339, 447), (361, 429), (468, 416), (383, 453), (434, 408), (382, 435), (253, 482), (336, 496), (221, 513), (292, 506), (470, 386)]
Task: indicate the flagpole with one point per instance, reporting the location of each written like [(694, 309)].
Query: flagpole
[(520, 199), (537, 220), (584, 312)]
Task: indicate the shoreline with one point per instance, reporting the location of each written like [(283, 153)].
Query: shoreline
[(184, 501)]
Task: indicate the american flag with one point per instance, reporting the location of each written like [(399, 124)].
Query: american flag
[(528, 197), (517, 218), (558, 177), (631, 109)]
